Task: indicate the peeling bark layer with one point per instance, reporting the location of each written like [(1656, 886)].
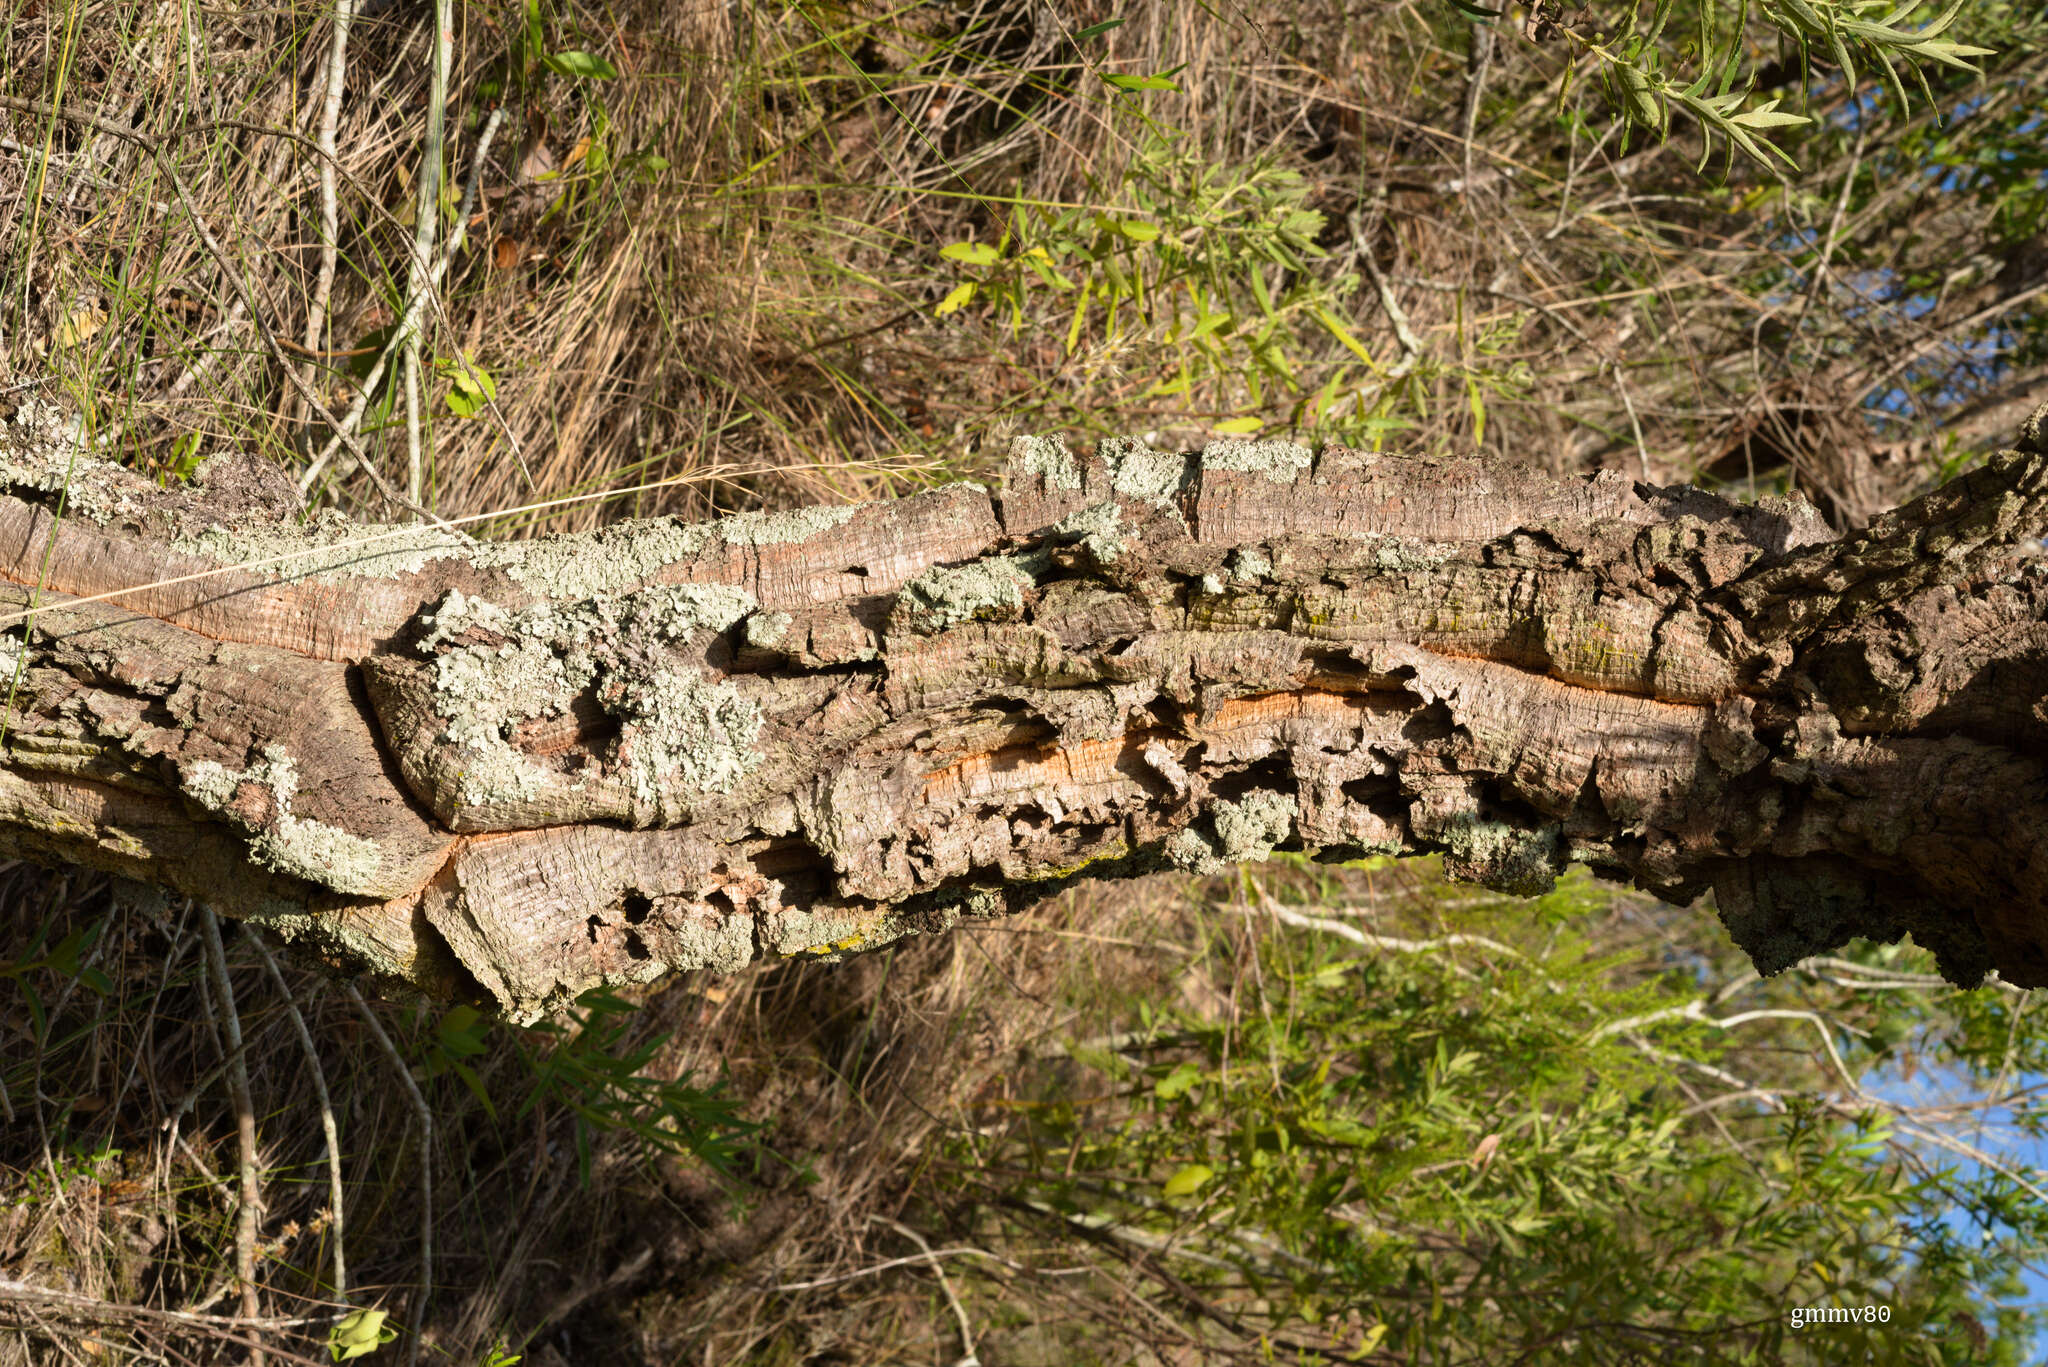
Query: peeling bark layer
[(514, 771)]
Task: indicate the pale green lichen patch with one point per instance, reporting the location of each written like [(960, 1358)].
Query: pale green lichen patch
[(618, 558), (1138, 472), (1194, 852), (774, 529), (44, 448), (1396, 553), (662, 612), (1246, 830), (482, 692), (765, 630), (706, 940), (680, 728), (681, 725), (1280, 461), (1247, 565), (828, 931), (1096, 527), (943, 597), (613, 560), (1048, 458), (287, 843), (1503, 857), (1250, 827), (328, 548)]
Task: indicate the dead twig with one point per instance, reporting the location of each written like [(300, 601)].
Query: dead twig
[(337, 1225), (410, 323), (330, 217), (246, 1215), (426, 223), (967, 1358), (425, 1115)]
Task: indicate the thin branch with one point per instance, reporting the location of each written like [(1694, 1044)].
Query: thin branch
[(968, 1358), (245, 1122), (426, 224), (337, 1225), (330, 217), (93, 1307), (1288, 916), (892, 1263), (425, 1115), (1404, 333), (410, 322)]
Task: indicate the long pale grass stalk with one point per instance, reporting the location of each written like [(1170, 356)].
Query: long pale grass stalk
[(249, 1209), (330, 216)]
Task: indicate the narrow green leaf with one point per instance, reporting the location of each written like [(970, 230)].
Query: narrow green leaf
[(1130, 84), (587, 65), (1765, 118), (1343, 335)]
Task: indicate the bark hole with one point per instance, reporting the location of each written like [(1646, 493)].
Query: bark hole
[(1274, 774)]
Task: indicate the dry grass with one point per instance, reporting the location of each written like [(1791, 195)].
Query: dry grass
[(122, 1141), (755, 317)]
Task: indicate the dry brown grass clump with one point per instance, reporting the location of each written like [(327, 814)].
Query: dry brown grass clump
[(121, 1154), (721, 264)]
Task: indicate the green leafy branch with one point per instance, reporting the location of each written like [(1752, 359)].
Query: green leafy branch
[(1645, 86)]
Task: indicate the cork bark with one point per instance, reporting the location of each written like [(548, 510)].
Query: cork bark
[(509, 772)]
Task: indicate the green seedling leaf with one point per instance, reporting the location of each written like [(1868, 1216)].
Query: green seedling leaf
[(1261, 294), (363, 355), (960, 298), (359, 1334), (1238, 427), (971, 253), (1178, 1082), (1097, 30), (644, 167), (587, 65), (1476, 13), (473, 386), (1187, 1181), (461, 1031)]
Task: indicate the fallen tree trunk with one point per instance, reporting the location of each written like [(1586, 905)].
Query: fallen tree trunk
[(513, 771)]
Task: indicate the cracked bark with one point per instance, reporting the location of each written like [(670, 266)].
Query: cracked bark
[(509, 772)]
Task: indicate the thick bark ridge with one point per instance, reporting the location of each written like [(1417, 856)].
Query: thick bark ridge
[(514, 771)]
